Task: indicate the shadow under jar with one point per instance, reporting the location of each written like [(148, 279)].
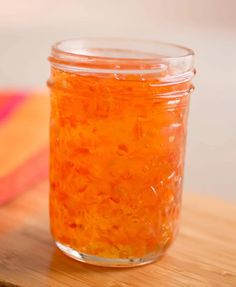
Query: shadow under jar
[(119, 111)]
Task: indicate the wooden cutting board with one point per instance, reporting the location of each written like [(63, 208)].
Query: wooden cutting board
[(203, 255)]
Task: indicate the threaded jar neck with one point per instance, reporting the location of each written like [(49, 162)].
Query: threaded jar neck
[(167, 63)]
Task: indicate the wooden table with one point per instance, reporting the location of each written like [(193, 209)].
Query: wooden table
[(204, 253)]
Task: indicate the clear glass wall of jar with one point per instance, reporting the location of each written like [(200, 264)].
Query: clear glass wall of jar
[(119, 112)]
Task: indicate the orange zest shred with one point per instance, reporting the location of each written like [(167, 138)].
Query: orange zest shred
[(117, 158)]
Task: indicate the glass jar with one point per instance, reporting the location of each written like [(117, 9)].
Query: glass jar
[(119, 112)]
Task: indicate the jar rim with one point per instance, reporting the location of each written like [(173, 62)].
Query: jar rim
[(117, 55), (83, 47)]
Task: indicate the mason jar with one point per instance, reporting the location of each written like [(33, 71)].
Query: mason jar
[(118, 128)]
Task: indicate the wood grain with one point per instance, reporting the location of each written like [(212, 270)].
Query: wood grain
[(203, 255)]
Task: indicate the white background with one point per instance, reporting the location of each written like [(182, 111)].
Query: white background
[(29, 27)]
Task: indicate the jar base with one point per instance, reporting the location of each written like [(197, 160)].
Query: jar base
[(106, 262)]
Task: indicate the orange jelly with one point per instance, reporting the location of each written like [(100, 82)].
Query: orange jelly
[(118, 129)]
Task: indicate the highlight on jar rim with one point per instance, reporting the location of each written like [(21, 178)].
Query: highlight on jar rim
[(123, 56), (118, 127)]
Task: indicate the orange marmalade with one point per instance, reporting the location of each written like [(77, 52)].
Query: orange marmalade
[(118, 130)]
